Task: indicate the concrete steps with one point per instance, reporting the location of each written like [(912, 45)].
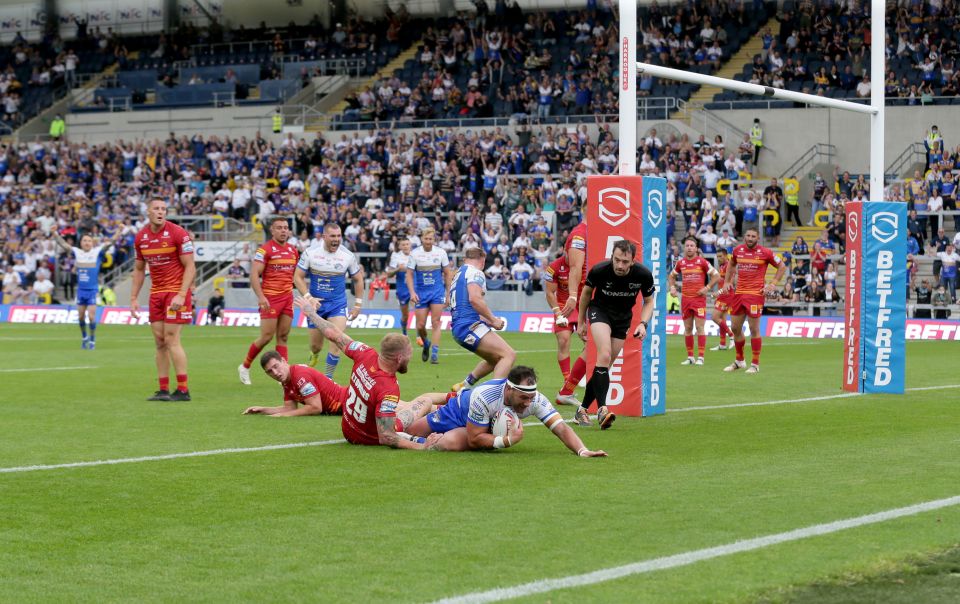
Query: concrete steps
[(385, 71)]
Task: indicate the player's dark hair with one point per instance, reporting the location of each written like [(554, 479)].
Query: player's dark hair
[(274, 219), (270, 355), (625, 245), (474, 253), (754, 229), (521, 374), (693, 239)]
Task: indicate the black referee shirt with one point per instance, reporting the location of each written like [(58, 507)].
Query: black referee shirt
[(616, 295)]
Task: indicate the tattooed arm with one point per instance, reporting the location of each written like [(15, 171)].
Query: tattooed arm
[(328, 329), (388, 435)]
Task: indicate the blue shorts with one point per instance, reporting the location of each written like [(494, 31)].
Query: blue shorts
[(469, 335), (86, 298), (332, 310), (403, 298), (433, 296), (450, 416)]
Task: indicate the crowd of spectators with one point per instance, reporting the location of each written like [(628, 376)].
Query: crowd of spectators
[(508, 63), (824, 49)]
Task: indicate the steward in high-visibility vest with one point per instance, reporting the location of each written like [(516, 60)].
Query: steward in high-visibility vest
[(277, 122), (756, 139), (57, 127)]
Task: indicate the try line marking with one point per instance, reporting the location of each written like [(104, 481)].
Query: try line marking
[(26, 369), (691, 557), (801, 400)]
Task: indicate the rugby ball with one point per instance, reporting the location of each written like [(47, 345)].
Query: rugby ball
[(504, 421)]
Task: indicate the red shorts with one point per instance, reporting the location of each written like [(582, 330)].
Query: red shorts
[(279, 305), (693, 306), (160, 309), (747, 304), (724, 302)]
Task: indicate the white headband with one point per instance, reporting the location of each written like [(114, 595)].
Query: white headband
[(522, 388)]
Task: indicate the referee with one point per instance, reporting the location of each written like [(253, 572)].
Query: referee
[(609, 295)]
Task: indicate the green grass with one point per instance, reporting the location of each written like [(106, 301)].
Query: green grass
[(366, 524)]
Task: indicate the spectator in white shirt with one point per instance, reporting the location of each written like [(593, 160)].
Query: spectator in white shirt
[(239, 201), (726, 240), (497, 271), (863, 88), (41, 287)]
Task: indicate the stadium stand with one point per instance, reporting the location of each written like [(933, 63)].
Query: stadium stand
[(825, 50)]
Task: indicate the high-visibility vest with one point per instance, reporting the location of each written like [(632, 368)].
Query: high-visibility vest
[(277, 122), (57, 128), (756, 136), (932, 137)]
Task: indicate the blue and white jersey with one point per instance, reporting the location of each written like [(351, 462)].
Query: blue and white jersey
[(427, 270), (487, 399), (398, 259), (88, 268), (328, 272), (462, 311)]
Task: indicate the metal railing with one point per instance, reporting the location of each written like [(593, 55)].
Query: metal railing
[(707, 122), (819, 151), (224, 99), (913, 153)]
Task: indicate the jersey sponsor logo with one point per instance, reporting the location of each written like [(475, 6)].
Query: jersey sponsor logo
[(306, 388), (884, 226), (388, 406), (614, 205), (355, 345)]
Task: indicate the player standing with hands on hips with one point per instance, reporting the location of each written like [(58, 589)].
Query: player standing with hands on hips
[(608, 298)]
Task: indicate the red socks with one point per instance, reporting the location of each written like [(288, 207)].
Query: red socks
[(739, 344), (688, 340), (182, 382), (755, 345), (576, 374), (251, 354), (564, 367), (164, 383), (724, 332), (701, 344), (283, 351)]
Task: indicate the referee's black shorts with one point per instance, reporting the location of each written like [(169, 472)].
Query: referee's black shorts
[(619, 324)]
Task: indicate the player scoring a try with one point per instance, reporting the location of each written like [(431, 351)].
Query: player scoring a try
[(748, 268), (694, 270), (168, 249), (274, 263)]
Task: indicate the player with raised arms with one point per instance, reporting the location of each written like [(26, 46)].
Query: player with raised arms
[(271, 278), (89, 260), (556, 288), (747, 268), (428, 279), (722, 304), (328, 265), (464, 422), (609, 295), (168, 250), (372, 413), (575, 251), (473, 321), (697, 280), (398, 266)]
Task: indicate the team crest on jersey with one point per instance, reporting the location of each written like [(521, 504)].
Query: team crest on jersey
[(355, 345), (308, 389), (470, 340)]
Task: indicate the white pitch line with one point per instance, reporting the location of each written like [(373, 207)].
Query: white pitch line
[(26, 369), (691, 557), (125, 460)]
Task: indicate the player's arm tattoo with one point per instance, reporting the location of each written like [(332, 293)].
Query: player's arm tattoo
[(328, 329), (386, 432)]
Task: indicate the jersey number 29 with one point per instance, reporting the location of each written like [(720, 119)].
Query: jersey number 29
[(356, 408)]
